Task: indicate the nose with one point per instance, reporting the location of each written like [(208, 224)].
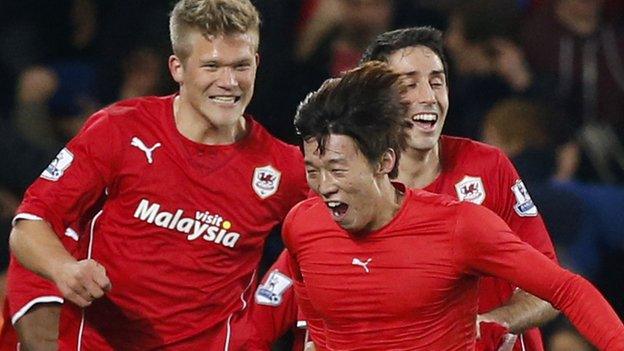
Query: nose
[(424, 94), (326, 184), (227, 77)]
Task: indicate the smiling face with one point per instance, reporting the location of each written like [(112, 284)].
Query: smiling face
[(427, 94), (348, 183), (217, 78)]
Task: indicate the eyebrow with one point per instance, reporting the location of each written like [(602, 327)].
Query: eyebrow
[(241, 61), (433, 73)]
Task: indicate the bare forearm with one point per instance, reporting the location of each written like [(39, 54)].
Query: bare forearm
[(37, 247), (522, 312)]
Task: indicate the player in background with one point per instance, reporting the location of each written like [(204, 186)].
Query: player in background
[(384, 266), (193, 188), (462, 168)]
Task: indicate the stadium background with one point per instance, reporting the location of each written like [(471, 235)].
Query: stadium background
[(519, 80)]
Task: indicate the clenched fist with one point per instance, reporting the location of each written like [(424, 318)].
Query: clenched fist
[(81, 282)]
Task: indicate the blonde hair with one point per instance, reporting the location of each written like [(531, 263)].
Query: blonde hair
[(210, 17)]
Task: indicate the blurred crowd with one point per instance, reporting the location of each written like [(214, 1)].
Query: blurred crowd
[(541, 79)]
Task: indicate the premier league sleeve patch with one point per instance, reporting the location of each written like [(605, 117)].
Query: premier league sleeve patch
[(270, 293), (58, 166), (524, 205)]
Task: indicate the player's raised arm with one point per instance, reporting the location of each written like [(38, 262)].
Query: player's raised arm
[(486, 245)]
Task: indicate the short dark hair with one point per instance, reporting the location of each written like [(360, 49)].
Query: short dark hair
[(365, 104), (387, 43)]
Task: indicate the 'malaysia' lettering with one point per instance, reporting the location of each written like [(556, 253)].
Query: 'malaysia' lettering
[(209, 227)]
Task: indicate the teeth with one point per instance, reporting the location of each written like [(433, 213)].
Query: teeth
[(225, 99), (425, 117), (333, 204)]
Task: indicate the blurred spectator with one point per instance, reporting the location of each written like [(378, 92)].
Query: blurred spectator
[(35, 88), (521, 129), (142, 73), (567, 339), (336, 34), (571, 44), (413, 13), (277, 91), (488, 64)]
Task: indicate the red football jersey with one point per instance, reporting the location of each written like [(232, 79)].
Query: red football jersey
[(474, 172), (482, 174), (182, 228), (412, 285)]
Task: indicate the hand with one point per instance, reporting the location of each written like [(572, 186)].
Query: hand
[(511, 64), (36, 85), (491, 335), (81, 282)]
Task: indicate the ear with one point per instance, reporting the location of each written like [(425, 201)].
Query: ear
[(257, 59), (176, 68), (387, 161)]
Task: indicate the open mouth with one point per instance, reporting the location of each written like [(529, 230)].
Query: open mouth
[(224, 99), (337, 209), (425, 121)]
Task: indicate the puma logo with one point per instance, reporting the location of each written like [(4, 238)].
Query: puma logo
[(358, 262), (148, 151)]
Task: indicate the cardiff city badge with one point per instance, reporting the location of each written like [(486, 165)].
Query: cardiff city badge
[(265, 181), (270, 292), (524, 205), (57, 167), (470, 189)]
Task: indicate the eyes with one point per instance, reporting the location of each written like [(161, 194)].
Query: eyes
[(313, 173), (435, 83), (239, 67)]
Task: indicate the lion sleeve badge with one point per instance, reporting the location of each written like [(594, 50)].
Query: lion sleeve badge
[(266, 181)]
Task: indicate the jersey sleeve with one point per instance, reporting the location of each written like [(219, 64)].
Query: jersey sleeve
[(75, 180), (275, 309), (485, 245), (315, 324), (25, 289), (515, 206)]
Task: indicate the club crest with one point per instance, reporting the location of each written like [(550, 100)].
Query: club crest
[(470, 189), (265, 181), (270, 292)]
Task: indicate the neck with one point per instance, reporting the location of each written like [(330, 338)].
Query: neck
[(419, 168), (388, 205), (196, 127)]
